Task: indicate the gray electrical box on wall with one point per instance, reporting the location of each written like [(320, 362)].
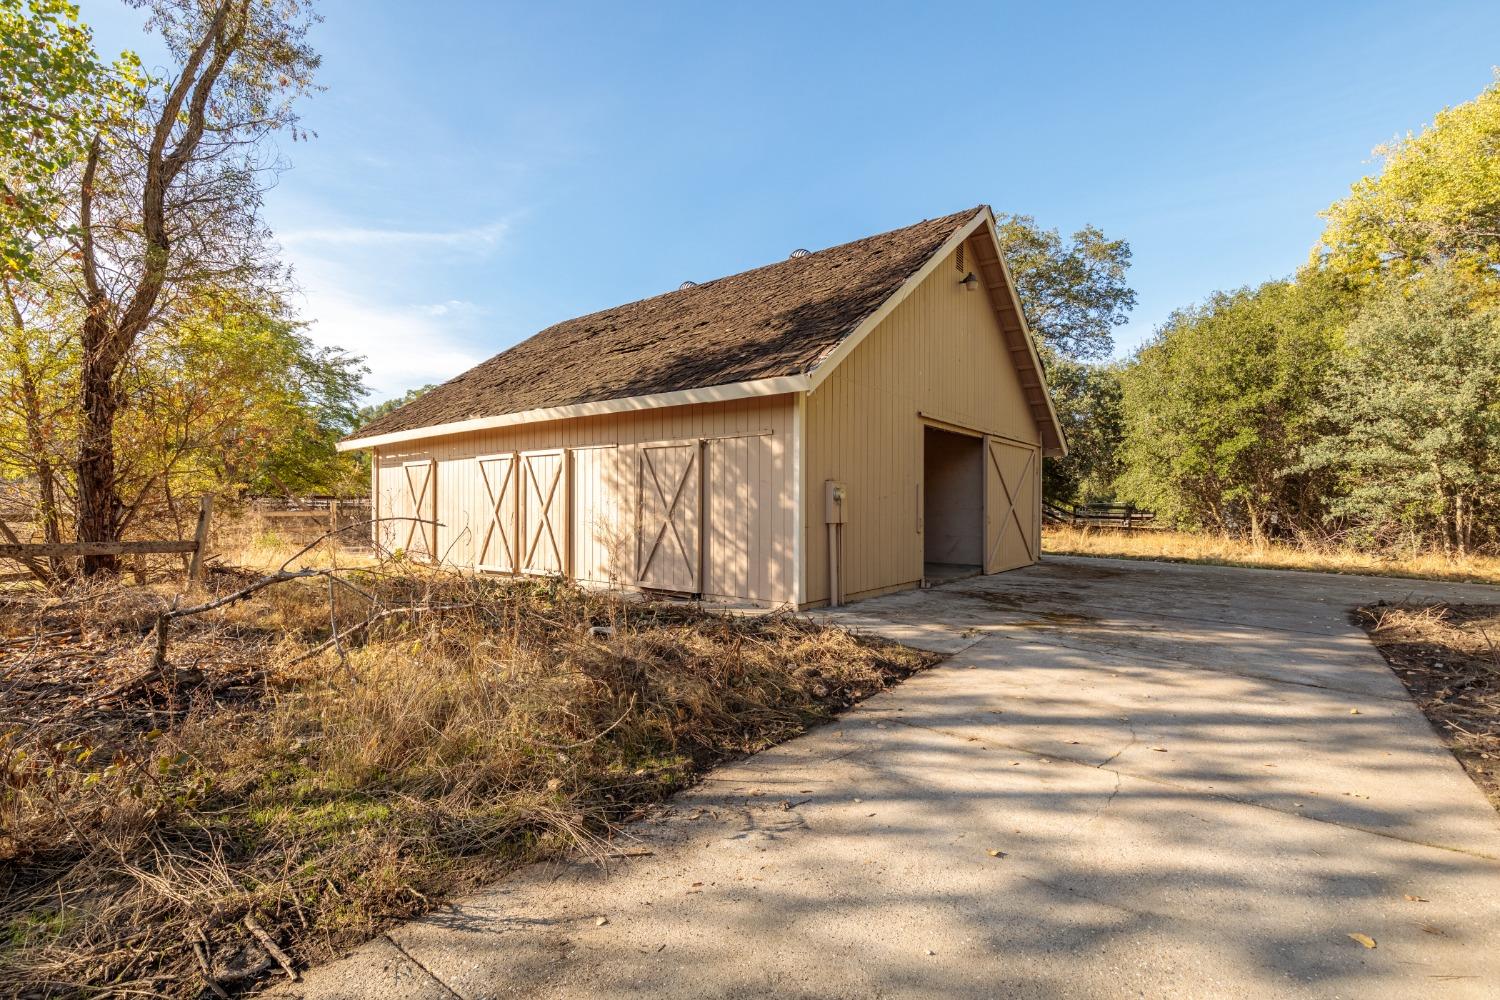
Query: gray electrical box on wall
[(834, 499)]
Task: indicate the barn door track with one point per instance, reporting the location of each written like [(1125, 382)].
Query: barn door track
[(1127, 779)]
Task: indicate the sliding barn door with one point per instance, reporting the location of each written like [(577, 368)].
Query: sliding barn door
[(544, 512), (669, 524), (602, 513), (1012, 481), (417, 489), (498, 540)]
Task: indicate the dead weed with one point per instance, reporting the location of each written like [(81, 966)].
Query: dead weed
[(151, 821)]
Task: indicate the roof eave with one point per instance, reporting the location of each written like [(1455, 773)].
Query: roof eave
[(625, 404), (1054, 442)]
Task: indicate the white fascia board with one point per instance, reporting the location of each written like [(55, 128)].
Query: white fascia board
[(681, 397), (1036, 359), (983, 219), (846, 347)]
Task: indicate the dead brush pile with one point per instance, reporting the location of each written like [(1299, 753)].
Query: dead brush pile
[(1448, 655), (166, 831)]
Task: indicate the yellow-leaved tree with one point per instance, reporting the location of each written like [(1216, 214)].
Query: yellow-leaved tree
[(1436, 201)]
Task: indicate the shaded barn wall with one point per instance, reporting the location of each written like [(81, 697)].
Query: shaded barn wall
[(748, 483), (940, 352), (952, 498)]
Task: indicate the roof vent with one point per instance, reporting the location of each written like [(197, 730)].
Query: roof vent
[(799, 253), (687, 284)]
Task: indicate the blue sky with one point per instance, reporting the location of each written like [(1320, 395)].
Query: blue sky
[(482, 170)]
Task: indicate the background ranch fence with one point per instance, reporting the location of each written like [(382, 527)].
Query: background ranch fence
[(1124, 516), (302, 519), (31, 555)]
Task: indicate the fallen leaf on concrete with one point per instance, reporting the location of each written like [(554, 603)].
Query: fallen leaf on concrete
[(1363, 939), (1429, 929), (1413, 899), (995, 854), (1353, 711), (1159, 749), (600, 921)]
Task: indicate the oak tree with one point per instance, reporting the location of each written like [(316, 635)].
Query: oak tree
[(168, 204)]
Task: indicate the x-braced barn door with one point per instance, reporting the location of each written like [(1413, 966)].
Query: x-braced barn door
[(669, 517), (419, 532), (497, 545), (544, 512), (1011, 508)]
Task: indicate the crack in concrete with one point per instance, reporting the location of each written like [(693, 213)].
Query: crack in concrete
[(424, 969), (1134, 739)]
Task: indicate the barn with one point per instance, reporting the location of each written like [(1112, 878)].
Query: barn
[(836, 425)]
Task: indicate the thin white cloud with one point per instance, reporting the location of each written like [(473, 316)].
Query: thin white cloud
[(453, 307), (405, 344), (474, 239)]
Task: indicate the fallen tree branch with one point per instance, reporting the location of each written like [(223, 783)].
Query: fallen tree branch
[(272, 949), (405, 609)]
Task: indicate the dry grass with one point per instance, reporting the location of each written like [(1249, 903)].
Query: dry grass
[(1218, 550), (1449, 658), (250, 541), (145, 815)]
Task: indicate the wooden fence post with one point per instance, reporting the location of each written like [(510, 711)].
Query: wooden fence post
[(333, 519), (200, 537)]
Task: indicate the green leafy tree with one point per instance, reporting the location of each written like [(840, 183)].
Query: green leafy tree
[(1219, 406), (1073, 291), (1089, 403), (374, 411), (1435, 200), (168, 205), (53, 92), (231, 397), (38, 386), (1413, 407), (224, 394)]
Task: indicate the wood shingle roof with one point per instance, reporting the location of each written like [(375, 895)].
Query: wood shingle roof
[(777, 320)]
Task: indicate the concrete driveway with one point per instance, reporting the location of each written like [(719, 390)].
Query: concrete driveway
[(1130, 779)]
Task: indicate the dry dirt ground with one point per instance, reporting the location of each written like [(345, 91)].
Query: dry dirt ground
[(1128, 779), (1448, 655)]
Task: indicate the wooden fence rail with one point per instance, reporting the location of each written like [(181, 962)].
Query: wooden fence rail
[(302, 517), (62, 550), (29, 552), (1098, 515)]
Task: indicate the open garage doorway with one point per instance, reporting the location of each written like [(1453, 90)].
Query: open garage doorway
[(952, 505)]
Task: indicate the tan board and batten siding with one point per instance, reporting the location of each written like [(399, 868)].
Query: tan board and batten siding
[(717, 488), (747, 529), (939, 359)]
